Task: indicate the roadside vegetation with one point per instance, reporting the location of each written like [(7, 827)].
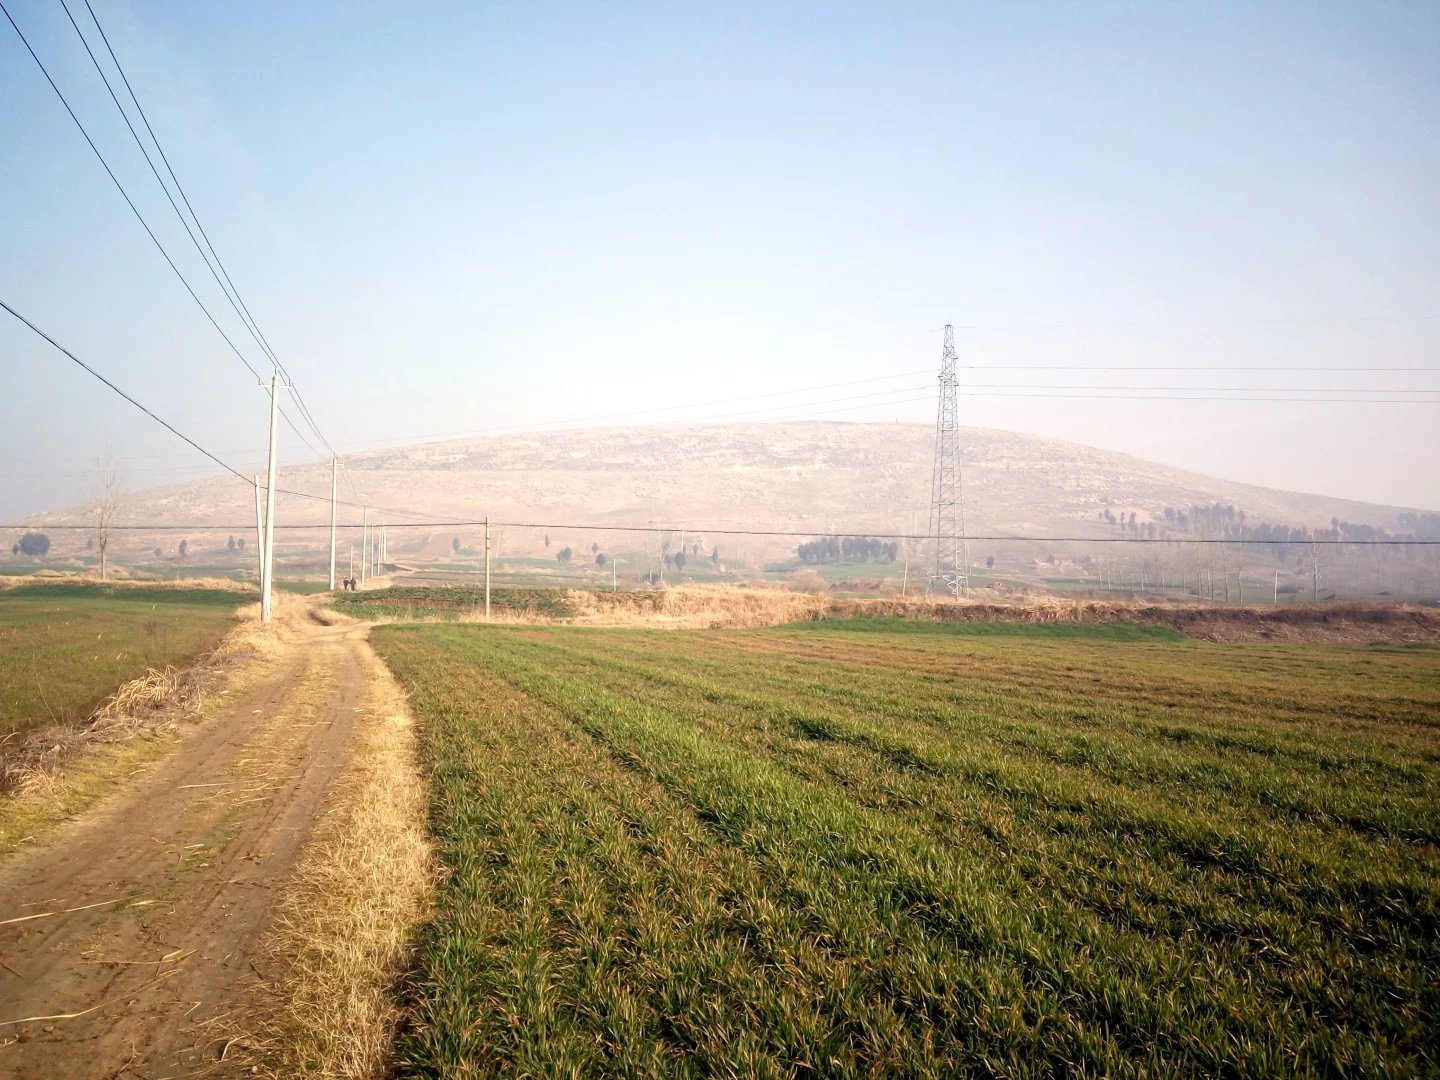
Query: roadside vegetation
[(925, 850), (451, 602), (64, 648)]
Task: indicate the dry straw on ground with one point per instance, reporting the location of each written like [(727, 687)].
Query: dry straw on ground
[(353, 905), (696, 606), (158, 701), (733, 607)]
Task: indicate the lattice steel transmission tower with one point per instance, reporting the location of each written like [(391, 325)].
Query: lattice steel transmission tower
[(950, 569)]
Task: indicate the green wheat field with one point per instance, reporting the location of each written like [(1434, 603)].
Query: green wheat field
[(905, 849)]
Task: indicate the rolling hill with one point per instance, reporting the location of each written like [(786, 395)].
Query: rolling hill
[(797, 476)]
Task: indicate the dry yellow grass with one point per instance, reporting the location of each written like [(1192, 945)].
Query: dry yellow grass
[(350, 911), (690, 606), (60, 769)]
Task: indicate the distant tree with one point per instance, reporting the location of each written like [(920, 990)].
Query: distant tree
[(105, 490), (989, 562), (230, 544), (159, 554), (455, 543), (715, 556), (564, 555), (240, 544), (694, 549), (14, 549), (90, 543), (680, 560), (547, 540), (184, 548), (33, 544), (600, 559)]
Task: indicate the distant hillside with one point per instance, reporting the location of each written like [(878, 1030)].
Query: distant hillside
[(801, 476)]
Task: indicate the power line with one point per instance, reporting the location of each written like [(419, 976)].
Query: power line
[(1179, 367), (433, 436), (1175, 397), (1270, 321), (1213, 389), (252, 325), (255, 331), (163, 423), (237, 302), (159, 419), (124, 194), (727, 531), (145, 153)]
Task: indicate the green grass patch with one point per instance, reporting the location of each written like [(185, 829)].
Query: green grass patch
[(933, 853), (303, 588), (64, 648), (1049, 631)]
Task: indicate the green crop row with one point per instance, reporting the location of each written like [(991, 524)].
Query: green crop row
[(64, 648), (815, 852)]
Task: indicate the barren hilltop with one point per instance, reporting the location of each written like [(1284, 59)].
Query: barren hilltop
[(813, 475)]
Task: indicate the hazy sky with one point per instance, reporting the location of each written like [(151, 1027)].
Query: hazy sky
[(457, 218)]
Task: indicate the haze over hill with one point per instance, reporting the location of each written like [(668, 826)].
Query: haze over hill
[(820, 476)]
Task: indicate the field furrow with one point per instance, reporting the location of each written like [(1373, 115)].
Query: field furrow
[(816, 852)]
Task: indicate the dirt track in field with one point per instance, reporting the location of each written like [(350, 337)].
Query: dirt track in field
[(175, 881)]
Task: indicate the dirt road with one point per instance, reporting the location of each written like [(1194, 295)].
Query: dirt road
[(130, 938)]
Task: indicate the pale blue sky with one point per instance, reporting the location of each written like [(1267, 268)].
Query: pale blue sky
[(453, 218)]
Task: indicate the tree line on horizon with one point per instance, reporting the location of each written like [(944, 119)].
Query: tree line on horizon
[(838, 549)]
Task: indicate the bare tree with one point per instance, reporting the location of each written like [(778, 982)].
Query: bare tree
[(105, 488)]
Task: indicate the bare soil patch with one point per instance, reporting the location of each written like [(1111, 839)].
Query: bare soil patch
[(129, 937)]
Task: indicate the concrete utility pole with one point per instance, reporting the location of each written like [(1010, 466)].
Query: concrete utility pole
[(487, 569), (259, 540), (352, 560), (265, 587), (334, 488), (364, 544), (1275, 600), (614, 574)]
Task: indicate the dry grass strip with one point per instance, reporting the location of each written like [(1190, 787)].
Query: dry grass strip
[(349, 913), (59, 769), (156, 701)]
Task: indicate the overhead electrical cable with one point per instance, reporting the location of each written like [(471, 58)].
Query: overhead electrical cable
[(180, 188), (1211, 389), (163, 423), (125, 195), (1209, 368), (591, 418), (145, 153), (227, 286), (476, 523), (136, 210)]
